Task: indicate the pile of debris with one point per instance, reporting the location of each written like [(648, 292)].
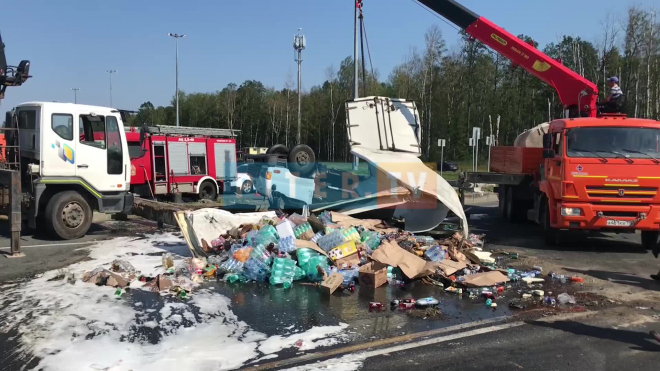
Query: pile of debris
[(334, 251), (331, 251)]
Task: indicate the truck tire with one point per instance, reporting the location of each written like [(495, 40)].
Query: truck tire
[(68, 215), (208, 191), (278, 149), (501, 198), (552, 235), (651, 240), (302, 160)]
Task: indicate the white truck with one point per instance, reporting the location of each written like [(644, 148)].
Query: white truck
[(73, 160)]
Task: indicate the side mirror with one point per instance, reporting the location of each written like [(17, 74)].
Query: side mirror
[(143, 134), (547, 141), (548, 153)]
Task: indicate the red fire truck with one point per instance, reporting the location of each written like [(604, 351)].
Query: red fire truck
[(186, 160)]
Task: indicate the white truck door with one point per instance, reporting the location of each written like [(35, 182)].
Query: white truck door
[(99, 152), (59, 156)]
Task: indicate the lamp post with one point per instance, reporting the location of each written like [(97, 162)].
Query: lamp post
[(176, 43), (111, 72), (75, 95)]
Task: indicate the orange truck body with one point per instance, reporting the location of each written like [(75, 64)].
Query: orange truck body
[(612, 192)]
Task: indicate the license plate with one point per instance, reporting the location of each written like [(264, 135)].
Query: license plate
[(619, 223)]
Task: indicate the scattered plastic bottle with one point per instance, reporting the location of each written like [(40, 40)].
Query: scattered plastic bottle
[(425, 240), (370, 239), (316, 237), (303, 231), (435, 254), (299, 274), (256, 270), (407, 303), (231, 265), (243, 254), (375, 305), (304, 254), (232, 277), (349, 276), (311, 268), (287, 244), (283, 272), (549, 301), (325, 218), (266, 235), (218, 242)]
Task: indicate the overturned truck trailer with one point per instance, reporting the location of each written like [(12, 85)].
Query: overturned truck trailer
[(386, 133)]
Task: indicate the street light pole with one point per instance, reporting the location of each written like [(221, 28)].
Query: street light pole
[(176, 43), (111, 72), (75, 95)]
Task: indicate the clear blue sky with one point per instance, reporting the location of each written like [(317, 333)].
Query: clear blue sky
[(72, 42)]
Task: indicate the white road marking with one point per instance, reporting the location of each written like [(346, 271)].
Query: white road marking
[(360, 354), (441, 339)]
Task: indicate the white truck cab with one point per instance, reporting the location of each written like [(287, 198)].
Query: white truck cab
[(74, 159)]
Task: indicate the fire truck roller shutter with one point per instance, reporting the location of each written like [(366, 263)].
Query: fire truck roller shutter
[(196, 149), (178, 157)]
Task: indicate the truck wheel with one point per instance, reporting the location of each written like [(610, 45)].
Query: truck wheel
[(208, 191), (510, 211), (278, 149), (651, 240), (552, 235), (501, 198), (302, 160), (68, 215)]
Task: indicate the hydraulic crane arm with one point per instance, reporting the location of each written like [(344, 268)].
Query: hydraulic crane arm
[(10, 75), (577, 94)]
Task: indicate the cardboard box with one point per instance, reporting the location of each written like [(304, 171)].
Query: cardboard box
[(373, 275), (351, 260), (343, 250), (330, 284)]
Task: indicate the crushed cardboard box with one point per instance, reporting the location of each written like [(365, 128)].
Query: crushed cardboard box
[(491, 278), (331, 283), (104, 277), (373, 274)]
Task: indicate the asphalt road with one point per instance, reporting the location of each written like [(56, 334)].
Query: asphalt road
[(608, 340)]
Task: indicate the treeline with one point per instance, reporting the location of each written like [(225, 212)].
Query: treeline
[(453, 91)]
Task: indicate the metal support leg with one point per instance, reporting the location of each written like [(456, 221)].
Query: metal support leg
[(15, 198)]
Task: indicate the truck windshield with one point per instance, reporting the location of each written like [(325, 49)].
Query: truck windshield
[(613, 142)]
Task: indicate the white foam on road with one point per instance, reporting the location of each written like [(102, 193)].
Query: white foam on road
[(83, 326)]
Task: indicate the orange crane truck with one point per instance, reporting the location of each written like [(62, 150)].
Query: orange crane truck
[(596, 168)]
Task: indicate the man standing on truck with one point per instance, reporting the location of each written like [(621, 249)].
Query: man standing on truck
[(610, 104), (615, 89)]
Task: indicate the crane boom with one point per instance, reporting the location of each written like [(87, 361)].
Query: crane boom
[(578, 95)]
